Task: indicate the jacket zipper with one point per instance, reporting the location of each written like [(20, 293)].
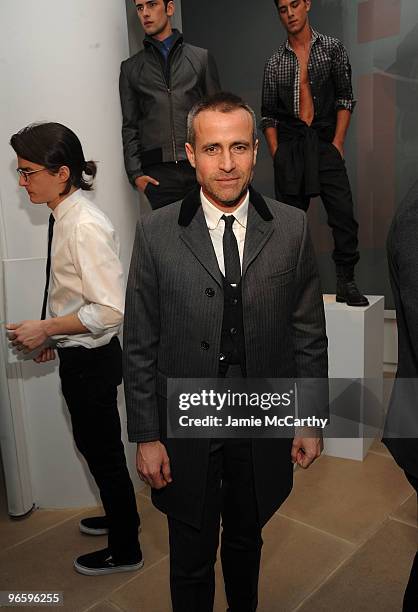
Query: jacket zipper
[(170, 100)]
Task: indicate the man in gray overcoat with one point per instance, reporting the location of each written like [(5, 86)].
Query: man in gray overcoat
[(221, 284)]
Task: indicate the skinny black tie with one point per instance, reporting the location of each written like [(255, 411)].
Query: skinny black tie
[(48, 264), (231, 253)]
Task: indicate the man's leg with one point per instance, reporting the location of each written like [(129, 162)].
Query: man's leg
[(241, 540), (89, 385), (337, 198), (176, 181), (193, 551)]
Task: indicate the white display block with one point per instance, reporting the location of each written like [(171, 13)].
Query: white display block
[(355, 350)]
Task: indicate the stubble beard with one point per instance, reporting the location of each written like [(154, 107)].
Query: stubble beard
[(218, 197)]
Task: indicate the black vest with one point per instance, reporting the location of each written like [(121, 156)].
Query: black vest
[(232, 338)]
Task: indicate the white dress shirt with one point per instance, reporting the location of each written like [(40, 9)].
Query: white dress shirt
[(86, 273), (216, 227)]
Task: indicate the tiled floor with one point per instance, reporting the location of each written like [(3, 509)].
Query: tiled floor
[(343, 541)]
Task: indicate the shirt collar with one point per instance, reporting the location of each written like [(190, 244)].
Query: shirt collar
[(314, 37), (213, 215), (176, 36), (168, 42), (64, 206)]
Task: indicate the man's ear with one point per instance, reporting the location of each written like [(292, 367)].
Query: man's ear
[(308, 5), (170, 8), (190, 154), (255, 152), (64, 174)]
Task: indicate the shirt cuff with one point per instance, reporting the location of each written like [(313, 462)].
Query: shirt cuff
[(342, 103), (267, 122), (99, 319)]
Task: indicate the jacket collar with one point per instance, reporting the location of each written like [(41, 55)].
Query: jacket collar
[(191, 204), (149, 41)]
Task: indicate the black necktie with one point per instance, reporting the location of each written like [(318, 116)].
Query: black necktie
[(231, 253), (48, 264)]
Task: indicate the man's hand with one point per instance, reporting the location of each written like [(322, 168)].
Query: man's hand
[(339, 146), (153, 464), (47, 354), (306, 450), (27, 335), (141, 182)]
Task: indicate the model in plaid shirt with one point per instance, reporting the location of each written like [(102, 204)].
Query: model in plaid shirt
[(306, 110)]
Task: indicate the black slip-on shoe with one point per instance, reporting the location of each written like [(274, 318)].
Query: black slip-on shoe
[(94, 525), (101, 562)]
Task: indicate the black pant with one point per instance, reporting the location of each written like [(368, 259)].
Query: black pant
[(89, 380), (230, 494), (337, 199), (176, 181), (410, 602)]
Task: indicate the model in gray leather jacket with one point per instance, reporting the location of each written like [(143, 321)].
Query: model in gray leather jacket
[(156, 96)]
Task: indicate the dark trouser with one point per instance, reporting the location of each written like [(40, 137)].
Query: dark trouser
[(176, 181), (337, 199), (230, 494), (410, 602), (89, 380)]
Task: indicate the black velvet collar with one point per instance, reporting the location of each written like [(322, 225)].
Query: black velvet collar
[(191, 203)]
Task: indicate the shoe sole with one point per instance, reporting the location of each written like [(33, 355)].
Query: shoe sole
[(96, 532), (87, 571), (342, 301), (93, 532)]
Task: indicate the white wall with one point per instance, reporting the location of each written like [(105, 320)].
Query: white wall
[(59, 61)]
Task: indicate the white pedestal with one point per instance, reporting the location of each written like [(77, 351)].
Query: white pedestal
[(355, 350)]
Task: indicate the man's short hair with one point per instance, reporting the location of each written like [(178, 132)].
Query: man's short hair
[(276, 3), (223, 102), (165, 3)]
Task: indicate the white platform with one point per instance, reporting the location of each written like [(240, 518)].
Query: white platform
[(355, 350)]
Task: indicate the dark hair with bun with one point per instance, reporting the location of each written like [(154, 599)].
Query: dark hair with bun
[(53, 145)]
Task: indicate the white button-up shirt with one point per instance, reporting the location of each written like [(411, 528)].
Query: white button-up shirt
[(86, 273), (216, 227)]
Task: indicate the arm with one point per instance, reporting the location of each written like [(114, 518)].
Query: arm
[(344, 99), (404, 273), (30, 335), (94, 256), (140, 340), (272, 139), (343, 121), (269, 107), (131, 118), (310, 345)]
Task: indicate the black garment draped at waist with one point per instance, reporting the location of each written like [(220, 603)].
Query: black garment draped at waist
[(297, 158)]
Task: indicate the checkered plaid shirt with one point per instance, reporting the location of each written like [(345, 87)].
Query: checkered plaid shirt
[(329, 74)]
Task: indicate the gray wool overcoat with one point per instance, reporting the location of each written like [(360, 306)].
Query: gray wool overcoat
[(173, 329)]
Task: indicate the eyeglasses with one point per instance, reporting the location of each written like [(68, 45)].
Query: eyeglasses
[(25, 174)]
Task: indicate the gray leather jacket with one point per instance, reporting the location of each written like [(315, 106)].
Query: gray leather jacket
[(156, 98)]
